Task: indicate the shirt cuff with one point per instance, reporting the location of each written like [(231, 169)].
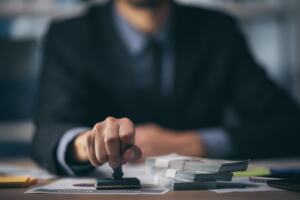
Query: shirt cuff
[(217, 142), (65, 140)]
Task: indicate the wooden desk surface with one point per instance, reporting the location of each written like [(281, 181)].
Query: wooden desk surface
[(17, 194)]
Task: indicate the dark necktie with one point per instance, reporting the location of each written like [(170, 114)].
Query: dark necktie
[(151, 97)]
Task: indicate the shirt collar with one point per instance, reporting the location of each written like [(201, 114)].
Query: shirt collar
[(135, 40)]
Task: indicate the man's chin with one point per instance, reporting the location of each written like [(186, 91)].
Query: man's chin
[(146, 3)]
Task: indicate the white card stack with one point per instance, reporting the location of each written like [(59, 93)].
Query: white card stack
[(190, 173)]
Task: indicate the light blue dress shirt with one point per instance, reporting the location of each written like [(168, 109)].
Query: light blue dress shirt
[(216, 141)]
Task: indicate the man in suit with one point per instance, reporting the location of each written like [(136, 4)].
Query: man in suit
[(137, 78)]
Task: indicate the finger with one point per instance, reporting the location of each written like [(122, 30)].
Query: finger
[(90, 148), (100, 149), (126, 132), (112, 143), (133, 153)]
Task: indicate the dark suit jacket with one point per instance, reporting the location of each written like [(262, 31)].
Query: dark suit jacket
[(87, 76)]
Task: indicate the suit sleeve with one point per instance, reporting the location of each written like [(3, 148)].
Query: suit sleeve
[(62, 100), (269, 117)]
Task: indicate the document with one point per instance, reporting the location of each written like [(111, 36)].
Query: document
[(242, 185), (86, 186)]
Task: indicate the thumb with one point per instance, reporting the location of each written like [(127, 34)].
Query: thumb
[(133, 153)]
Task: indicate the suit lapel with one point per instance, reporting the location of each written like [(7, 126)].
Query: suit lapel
[(189, 67), (117, 61), (118, 69)]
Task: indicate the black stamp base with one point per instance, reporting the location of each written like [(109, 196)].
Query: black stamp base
[(122, 183)]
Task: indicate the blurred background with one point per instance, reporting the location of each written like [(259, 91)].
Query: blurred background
[(272, 28)]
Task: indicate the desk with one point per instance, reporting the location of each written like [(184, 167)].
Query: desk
[(17, 194)]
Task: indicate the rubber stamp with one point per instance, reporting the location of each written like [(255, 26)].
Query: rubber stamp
[(117, 182)]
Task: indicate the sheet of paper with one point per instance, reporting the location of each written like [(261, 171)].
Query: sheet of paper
[(243, 185), (66, 186)]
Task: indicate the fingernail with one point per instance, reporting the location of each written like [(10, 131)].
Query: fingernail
[(130, 155)]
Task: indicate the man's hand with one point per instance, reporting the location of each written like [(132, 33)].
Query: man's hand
[(109, 141), (154, 141)]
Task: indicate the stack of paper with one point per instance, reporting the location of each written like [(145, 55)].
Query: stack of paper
[(191, 175), (182, 173)]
